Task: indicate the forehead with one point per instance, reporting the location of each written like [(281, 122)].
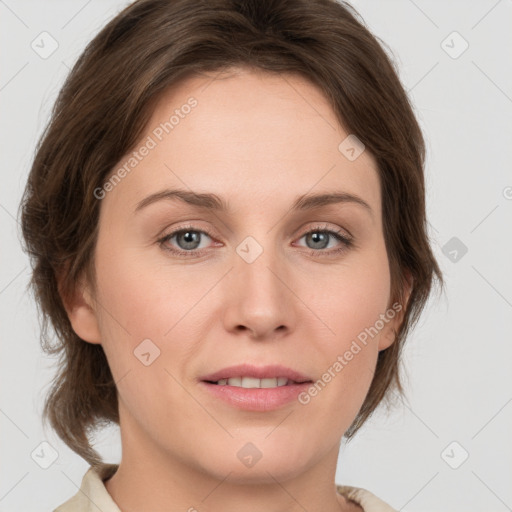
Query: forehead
[(250, 135)]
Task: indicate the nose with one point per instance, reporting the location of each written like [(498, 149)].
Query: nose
[(257, 297)]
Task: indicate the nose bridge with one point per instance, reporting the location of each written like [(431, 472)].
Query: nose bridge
[(258, 297), (256, 264)]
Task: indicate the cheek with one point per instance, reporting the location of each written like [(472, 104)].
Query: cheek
[(146, 309), (143, 300), (347, 352), (360, 300), (350, 302), (350, 297)]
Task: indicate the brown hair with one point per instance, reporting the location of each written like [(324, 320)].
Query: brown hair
[(103, 108)]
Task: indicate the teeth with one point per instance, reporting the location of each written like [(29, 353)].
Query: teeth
[(251, 382)]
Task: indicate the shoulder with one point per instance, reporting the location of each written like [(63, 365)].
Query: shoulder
[(367, 500), (93, 494)]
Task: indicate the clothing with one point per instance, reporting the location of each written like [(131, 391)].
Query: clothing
[(94, 497)]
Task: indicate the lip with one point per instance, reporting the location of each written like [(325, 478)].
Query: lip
[(259, 372), (255, 399)]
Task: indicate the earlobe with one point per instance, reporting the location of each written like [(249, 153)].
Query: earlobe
[(84, 323), (82, 314), (387, 338), (389, 335)]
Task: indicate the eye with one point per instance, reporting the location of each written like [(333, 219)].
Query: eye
[(188, 240), (319, 238)]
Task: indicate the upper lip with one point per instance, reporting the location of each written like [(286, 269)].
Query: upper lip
[(258, 372)]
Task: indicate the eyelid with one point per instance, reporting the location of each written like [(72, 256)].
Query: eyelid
[(323, 226)]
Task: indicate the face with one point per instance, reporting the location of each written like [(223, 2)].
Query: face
[(185, 290)]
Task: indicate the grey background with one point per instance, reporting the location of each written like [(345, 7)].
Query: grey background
[(457, 362)]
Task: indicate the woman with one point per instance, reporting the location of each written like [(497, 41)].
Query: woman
[(226, 217)]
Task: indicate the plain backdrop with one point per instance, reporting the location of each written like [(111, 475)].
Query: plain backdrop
[(449, 447)]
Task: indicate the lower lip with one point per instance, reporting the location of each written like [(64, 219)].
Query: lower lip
[(256, 399)]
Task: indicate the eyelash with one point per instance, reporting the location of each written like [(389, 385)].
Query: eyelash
[(346, 242)]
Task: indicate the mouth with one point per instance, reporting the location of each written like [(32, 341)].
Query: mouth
[(249, 376), (253, 382), (256, 388)]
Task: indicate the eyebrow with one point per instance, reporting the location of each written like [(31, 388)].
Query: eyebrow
[(210, 201)]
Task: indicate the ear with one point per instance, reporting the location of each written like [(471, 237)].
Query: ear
[(81, 311), (395, 315)]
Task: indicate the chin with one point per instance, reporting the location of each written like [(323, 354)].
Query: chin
[(263, 472), (258, 463)]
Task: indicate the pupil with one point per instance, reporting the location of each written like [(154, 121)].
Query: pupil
[(189, 237), (317, 237)]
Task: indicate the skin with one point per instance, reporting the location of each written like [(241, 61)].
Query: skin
[(257, 140)]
